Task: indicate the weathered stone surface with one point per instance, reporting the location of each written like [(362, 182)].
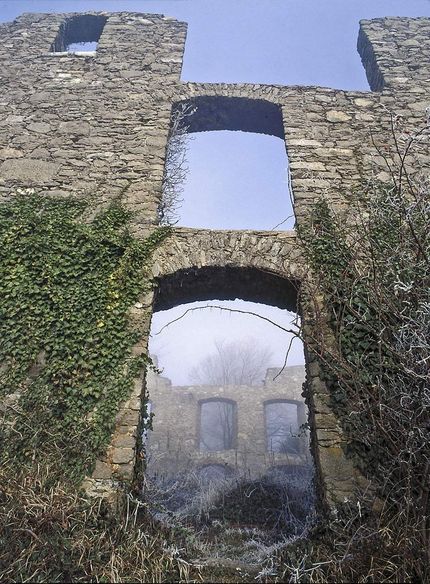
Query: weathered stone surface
[(125, 441), (98, 124), (122, 455), (39, 127), (102, 470), (101, 488), (10, 153), (337, 116), (30, 171), (78, 128), (124, 472), (128, 418)]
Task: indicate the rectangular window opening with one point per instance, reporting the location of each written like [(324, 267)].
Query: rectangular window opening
[(282, 427), (79, 34)]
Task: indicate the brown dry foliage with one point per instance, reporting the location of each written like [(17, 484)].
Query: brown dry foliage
[(49, 532)]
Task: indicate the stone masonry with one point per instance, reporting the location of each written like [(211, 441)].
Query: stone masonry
[(173, 445), (96, 125)]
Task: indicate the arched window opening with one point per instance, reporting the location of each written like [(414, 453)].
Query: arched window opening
[(283, 432), (217, 429), (207, 456), (79, 34)]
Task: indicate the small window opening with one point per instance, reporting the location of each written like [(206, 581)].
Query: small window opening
[(79, 34), (217, 425), (282, 427)]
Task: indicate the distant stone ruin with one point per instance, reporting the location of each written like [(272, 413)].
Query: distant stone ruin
[(245, 430)]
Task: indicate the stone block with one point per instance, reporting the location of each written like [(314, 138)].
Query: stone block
[(28, 170), (124, 441), (10, 153), (78, 128), (102, 471), (335, 116), (40, 128), (122, 455)]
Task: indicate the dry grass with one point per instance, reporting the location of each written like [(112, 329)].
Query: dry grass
[(358, 546), (52, 533), (49, 532)]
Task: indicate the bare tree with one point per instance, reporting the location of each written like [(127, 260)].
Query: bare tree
[(233, 363), (176, 168)]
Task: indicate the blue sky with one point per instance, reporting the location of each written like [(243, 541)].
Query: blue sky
[(303, 42), (288, 42)]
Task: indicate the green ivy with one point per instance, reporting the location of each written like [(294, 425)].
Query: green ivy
[(66, 287), (374, 277)]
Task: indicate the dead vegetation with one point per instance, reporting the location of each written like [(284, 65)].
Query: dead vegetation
[(49, 532)]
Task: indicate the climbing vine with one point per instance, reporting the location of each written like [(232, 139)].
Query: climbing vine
[(66, 287), (374, 276), (368, 320), (370, 317)]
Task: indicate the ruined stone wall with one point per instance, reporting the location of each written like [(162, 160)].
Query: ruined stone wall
[(89, 126), (174, 444), (96, 126)]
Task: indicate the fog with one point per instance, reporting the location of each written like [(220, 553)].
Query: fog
[(181, 345)]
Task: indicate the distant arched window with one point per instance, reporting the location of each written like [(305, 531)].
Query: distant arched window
[(217, 428), (79, 33), (282, 426)]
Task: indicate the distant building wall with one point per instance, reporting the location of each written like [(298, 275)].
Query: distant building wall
[(174, 444)]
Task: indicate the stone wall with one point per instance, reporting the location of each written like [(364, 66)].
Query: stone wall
[(174, 444), (89, 125), (96, 126)]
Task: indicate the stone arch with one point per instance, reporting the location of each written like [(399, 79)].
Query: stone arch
[(225, 283), (216, 112), (201, 265)]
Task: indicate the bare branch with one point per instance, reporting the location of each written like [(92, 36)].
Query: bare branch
[(176, 169), (293, 332)]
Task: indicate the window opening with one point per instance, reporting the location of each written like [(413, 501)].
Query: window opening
[(282, 427), (79, 34), (227, 166), (236, 180), (208, 461), (217, 425), (89, 47)]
